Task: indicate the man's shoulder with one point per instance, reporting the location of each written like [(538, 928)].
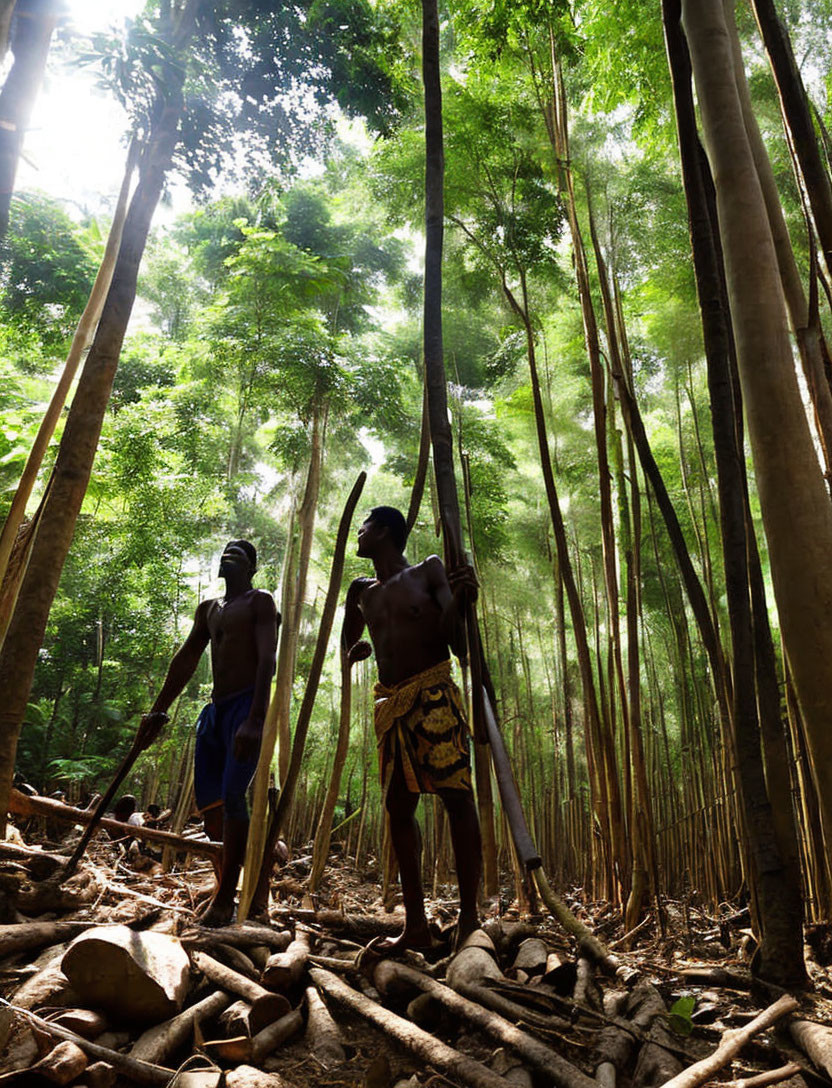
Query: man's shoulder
[(358, 585), (431, 567)]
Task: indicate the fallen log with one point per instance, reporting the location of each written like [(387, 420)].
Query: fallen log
[(561, 1072), (136, 977), (285, 969), (28, 935), (269, 1005), (22, 805), (426, 1046), (238, 960), (271, 1037), (48, 982), (362, 925), (139, 1071), (160, 1041), (731, 1043), (247, 936), (763, 1080), (322, 1033), (815, 1040)]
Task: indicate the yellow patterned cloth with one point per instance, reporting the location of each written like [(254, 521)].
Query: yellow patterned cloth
[(421, 721)]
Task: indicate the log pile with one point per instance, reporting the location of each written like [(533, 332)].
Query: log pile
[(126, 989)]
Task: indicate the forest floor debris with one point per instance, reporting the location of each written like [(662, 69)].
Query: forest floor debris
[(302, 1003)]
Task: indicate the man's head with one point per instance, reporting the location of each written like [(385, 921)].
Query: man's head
[(124, 807), (383, 526), (239, 557)]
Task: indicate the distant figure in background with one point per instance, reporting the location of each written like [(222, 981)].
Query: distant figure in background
[(241, 628), (414, 616)]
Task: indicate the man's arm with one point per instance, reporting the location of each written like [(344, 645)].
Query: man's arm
[(266, 624), (452, 590), (182, 667), (352, 644)]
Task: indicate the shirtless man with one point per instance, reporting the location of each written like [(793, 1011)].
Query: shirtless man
[(242, 630), (414, 616)]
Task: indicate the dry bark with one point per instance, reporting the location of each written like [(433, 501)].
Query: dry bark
[(141, 1072), (164, 1039), (270, 1038), (731, 1044), (138, 977), (22, 805), (428, 1048), (815, 1040), (28, 935), (248, 936), (284, 969), (561, 1072), (322, 1033)]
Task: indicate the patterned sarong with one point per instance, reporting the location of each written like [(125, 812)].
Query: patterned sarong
[(421, 721)]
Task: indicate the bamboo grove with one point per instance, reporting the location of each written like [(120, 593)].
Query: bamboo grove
[(636, 309)]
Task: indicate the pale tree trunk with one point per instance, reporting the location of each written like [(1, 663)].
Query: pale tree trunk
[(323, 831), (83, 427), (80, 342), (6, 12), (797, 515), (31, 32), (294, 593)]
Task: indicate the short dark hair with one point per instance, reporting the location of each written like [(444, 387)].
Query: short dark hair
[(248, 548), (126, 804), (394, 520)]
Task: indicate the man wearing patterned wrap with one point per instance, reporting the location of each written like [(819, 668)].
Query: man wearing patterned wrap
[(414, 616)]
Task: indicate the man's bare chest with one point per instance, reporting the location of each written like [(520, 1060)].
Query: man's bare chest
[(403, 599), (230, 623)]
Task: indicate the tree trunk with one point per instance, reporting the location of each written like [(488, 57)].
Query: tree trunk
[(797, 515), (80, 439), (294, 592), (798, 115), (80, 342), (32, 25), (324, 829), (775, 873)]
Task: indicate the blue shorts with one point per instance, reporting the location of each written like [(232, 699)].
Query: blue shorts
[(219, 778)]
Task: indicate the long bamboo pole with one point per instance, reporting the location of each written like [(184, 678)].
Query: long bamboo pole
[(261, 840), (80, 342)]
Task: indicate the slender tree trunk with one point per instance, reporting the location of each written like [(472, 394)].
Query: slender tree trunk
[(775, 873), (296, 569), (804, 318), (80, 439), (797, 112), (323, 831), (797, 515), (80, 342), (31, 33), (6, 13)]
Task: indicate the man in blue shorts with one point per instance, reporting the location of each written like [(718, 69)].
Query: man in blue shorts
[(242, 630)]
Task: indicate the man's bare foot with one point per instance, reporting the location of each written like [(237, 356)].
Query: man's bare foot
[(465, 926), (217, 915), (411, 939)]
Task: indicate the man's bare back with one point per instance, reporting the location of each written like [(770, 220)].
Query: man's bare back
[(404, 616)]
